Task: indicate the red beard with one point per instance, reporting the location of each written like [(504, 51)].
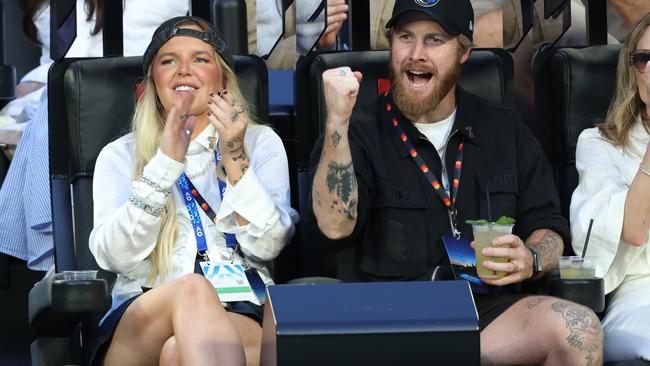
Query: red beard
[(417, 104)]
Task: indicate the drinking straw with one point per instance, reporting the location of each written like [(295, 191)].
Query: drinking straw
[(584, 249), (487, 193)]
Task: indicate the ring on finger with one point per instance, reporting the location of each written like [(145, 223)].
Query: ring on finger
[(187, 132), (342, 72)]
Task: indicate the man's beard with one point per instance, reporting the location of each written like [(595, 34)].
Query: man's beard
[(416, 104)]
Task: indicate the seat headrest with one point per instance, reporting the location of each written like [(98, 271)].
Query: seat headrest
[(573, 92)]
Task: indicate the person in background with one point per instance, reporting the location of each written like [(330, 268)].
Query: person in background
[(613, 163), (197, 185), (25, 225)]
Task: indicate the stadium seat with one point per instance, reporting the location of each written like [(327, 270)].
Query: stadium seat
[(573, 89), (91, 104)]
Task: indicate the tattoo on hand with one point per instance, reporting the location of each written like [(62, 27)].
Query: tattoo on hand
[(534, 301), (336, 138), (584, 328)]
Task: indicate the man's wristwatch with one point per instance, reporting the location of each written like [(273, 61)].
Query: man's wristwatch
[(537, 264)]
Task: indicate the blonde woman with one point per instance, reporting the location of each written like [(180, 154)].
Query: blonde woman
[(613, 161), (196, 184)]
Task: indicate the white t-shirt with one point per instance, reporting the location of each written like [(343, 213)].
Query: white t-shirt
[(437, 133)]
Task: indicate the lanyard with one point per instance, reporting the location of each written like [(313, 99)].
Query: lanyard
[(192, 197), (433, 181)]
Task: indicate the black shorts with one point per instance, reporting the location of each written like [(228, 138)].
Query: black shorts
[(107, 328), (489, 307)]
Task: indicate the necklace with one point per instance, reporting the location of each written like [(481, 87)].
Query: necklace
[(203, 170)]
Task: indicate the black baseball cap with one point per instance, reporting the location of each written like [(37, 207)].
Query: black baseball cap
[(170, 28), (454, 16)]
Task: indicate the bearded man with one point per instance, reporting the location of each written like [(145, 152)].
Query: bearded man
[(395, 177)]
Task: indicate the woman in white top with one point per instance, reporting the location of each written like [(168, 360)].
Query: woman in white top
[(160, 212), (613, 161)]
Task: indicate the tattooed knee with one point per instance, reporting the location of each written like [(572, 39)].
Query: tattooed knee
[(581, 329)]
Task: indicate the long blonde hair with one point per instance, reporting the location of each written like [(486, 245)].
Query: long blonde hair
[(627, 103), (147, 126)]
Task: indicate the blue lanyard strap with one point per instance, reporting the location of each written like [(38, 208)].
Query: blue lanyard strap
[(192, 197)]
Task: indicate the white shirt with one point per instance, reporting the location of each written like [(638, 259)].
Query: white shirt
[(438, 133), (124, 235), (605, 175)]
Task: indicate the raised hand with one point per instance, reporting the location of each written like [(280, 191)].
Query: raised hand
[(229, 118), (341, 87), (336, 15), (179, 126)]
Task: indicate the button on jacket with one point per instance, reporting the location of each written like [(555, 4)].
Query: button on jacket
[(401, 219)]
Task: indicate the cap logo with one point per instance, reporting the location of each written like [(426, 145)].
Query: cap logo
[(426, 3)]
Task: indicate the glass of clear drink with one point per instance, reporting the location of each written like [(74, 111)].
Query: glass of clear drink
[(576, 268), (483, 237)]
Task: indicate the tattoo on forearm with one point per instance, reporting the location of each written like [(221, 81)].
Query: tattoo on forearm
[(316, 197), (584, 328), (241, 157), (336, 138), (534, 301), (351, 210), (549, 247), (233, 145), (342, 182)]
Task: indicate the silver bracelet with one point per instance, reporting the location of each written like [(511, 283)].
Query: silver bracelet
[(138, 203), (643, 169), (154, 185)]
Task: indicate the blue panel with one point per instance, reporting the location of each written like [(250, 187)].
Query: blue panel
[(380, 307)]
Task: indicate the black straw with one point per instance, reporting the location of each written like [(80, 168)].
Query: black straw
[(487, 193), (584, 249)]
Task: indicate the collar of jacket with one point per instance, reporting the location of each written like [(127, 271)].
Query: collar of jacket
[(463, 124)]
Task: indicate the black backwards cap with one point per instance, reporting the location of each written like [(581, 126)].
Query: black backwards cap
[(170, 28), (454, 16)]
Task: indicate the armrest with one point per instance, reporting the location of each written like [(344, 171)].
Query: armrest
[(588, 292), (56, 306)]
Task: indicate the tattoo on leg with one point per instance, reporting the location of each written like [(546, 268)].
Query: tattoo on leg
[(336, 138), (534, 301), (584, 328)]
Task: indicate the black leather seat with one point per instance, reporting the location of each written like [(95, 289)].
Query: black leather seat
[(573, 90), (91, 104)]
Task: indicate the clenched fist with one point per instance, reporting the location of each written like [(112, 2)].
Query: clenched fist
[(341, 87)]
